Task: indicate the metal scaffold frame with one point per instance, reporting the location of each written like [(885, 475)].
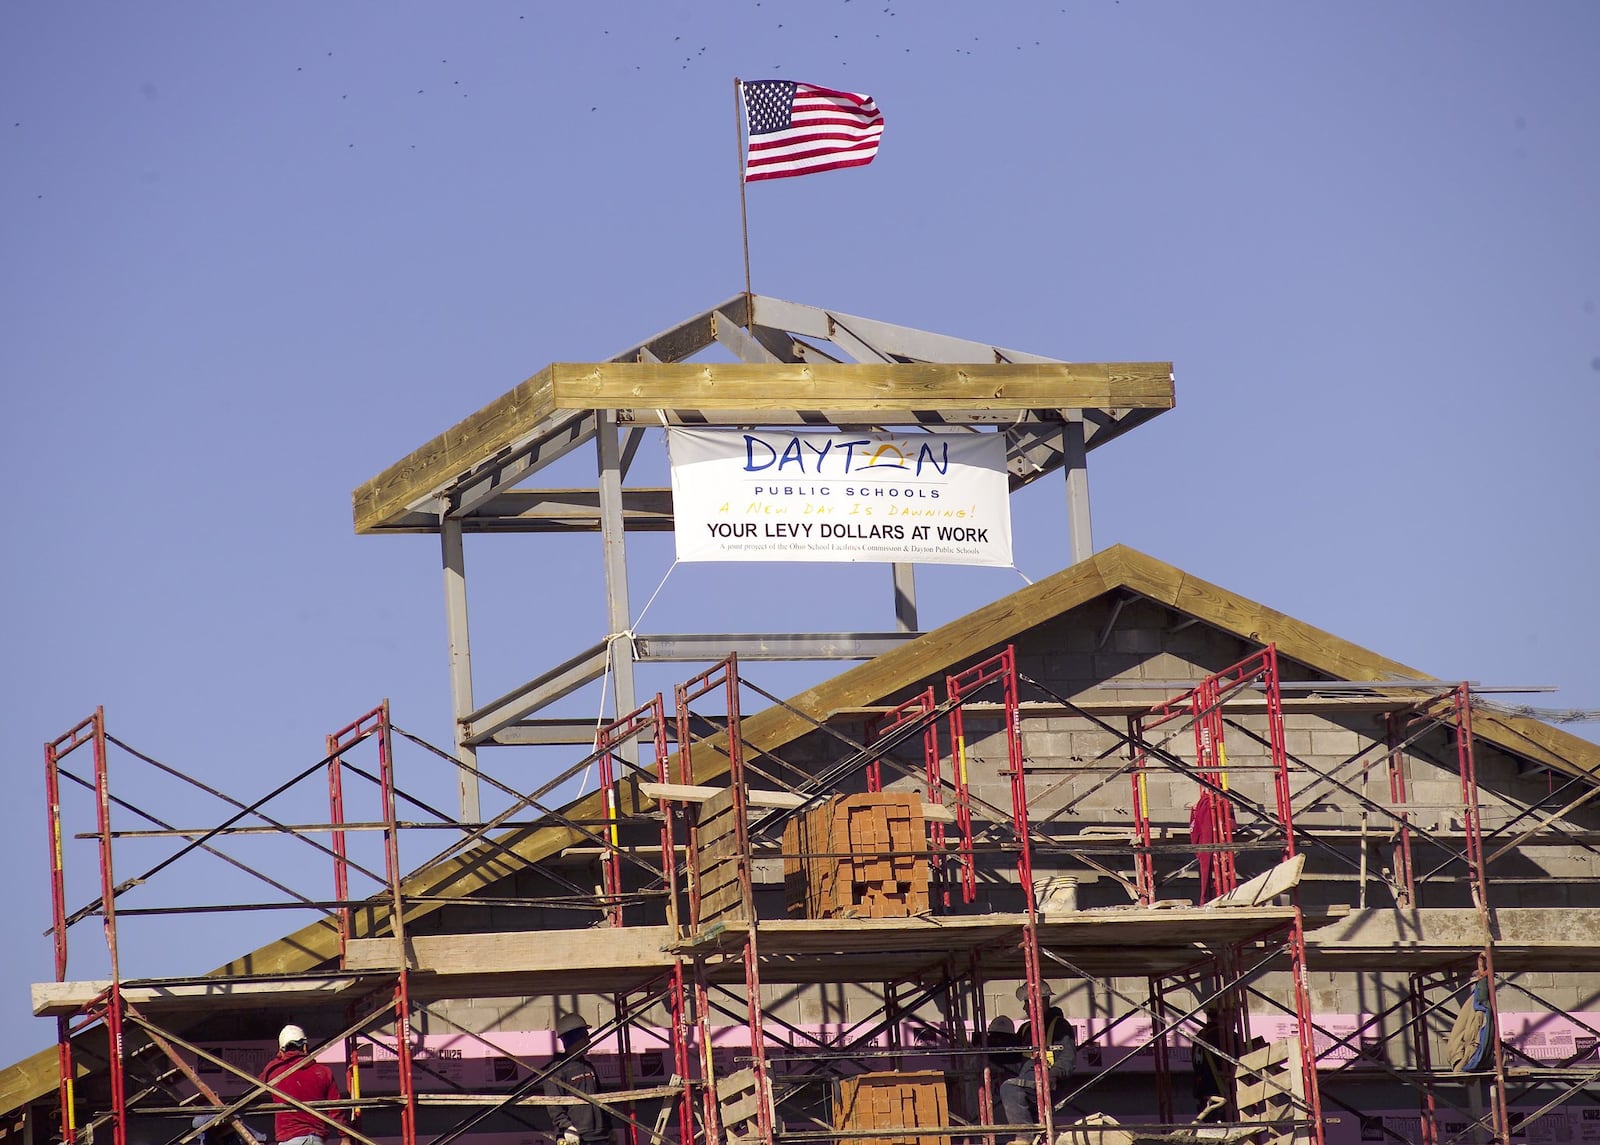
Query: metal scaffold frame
[(381, 1006), (731, 933), (725, 958)]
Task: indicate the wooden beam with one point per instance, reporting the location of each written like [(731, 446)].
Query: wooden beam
[(778, 800), (1565, 939), (508, 953), (1265, 887), (865, 387), (687, 793), (454, 452), (750, 388), (63, 999)]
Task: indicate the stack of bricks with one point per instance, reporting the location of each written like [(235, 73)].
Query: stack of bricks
[(858, 856), (894, 1103)]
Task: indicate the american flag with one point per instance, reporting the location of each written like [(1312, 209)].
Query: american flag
[(797, 128)]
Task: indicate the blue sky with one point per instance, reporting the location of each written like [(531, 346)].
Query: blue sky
[(252, 254)]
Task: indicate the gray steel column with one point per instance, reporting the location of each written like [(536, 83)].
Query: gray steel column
[(618, 614), (1076, 464), (905, 597), (455, 618)]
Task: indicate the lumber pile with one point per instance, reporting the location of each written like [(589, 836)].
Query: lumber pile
[(896, 1103), (858, 856)]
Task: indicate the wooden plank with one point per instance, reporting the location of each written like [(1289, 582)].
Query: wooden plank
[(861, 387), (511, 952), (62, 999), (604, 1097), (679, 792), (743, 1109), (735, 1082), (686, 793), (1264, 887)]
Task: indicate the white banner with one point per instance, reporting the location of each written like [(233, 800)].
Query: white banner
[(920, 498)]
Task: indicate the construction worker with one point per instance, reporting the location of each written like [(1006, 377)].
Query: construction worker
[(577, 1122), (296, 1074), (1019, 1094)]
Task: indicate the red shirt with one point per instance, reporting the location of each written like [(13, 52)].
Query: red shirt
[(312, 1081)]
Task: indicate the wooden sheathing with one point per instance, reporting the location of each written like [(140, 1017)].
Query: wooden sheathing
[(889, 1105), (858, 856)]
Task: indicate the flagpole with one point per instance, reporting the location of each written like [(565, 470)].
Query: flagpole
[(744, 218)]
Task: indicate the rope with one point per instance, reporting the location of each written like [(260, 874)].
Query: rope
[(628, 634)]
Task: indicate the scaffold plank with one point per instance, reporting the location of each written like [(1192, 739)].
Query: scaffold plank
[(1559, 939), (63, 999)]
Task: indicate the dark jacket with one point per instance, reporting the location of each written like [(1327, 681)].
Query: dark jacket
[(576, 1072), (310, 1082), (1061, 1048)]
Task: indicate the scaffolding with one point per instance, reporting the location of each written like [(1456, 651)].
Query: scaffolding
[(693, 962)]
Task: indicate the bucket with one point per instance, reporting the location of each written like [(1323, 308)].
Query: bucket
[(1056, 894)]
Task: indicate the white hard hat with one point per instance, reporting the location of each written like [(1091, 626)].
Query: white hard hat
[(289, 1036), (570, 1023)]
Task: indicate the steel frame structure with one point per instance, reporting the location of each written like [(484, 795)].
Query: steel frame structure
[(486, 496)]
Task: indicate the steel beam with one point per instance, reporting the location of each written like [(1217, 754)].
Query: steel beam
[(856, 347), (557, 732), (784, 347), (905, 596), (455, 616), (614, 559), (1075, 459), (932, 417), (888, 339), (739, 341), (562, 680), (549, 444), (570, 510), (686, 338), (697, 648)]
